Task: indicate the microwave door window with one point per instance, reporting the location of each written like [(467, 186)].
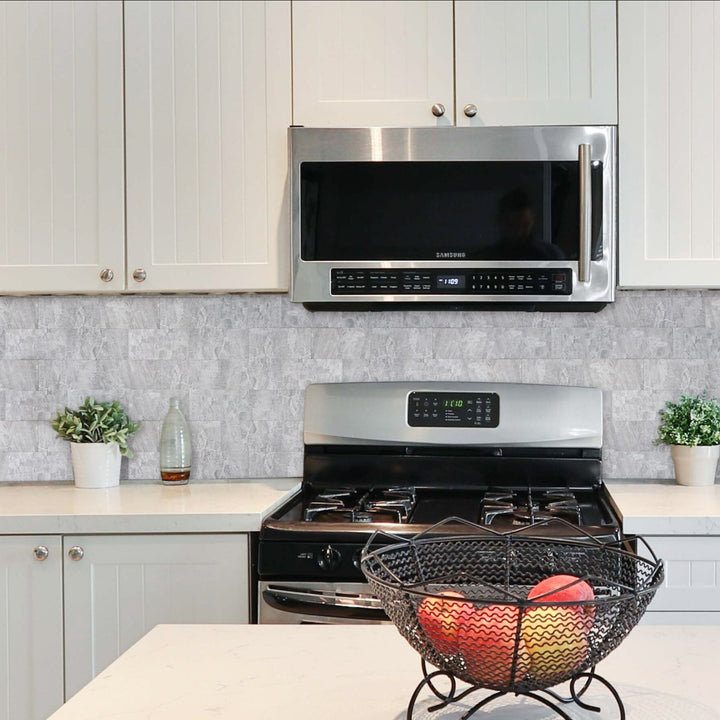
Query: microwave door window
[(443, 211)]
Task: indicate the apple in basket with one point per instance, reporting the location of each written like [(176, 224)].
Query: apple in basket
[(441, 619), (487, 640), (566, 588), (556, 641), (556, 635)]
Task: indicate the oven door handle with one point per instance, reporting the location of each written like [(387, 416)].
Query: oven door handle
[(308, 602), (585, 213)]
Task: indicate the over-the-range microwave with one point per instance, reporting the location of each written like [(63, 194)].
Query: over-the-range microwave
[(509, 217)]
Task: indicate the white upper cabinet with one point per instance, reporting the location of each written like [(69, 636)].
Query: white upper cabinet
[(515, 63), (372, 63), (669, 144), (536, 63), (208, 104), (61, 147)]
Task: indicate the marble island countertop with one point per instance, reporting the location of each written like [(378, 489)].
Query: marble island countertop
[(272, 672), (135, 507)]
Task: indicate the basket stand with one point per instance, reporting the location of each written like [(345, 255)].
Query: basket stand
[(554, 701)]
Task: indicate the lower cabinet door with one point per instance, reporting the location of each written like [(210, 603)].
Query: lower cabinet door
[(118, 587), (31, 633)]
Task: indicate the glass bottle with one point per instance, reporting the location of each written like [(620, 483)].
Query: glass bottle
[(175, 450)]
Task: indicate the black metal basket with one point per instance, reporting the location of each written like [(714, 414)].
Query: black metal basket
[(493, 636)]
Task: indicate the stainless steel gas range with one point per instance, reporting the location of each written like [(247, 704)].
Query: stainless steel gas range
[(401, 457)]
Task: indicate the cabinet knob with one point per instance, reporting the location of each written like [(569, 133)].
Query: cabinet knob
[(107, 275), (139, 275), (438, 109), (470, 110), (41, 553), (76, 553)]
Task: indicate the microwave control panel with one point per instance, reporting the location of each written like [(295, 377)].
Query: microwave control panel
[(447, 281), (440, 409)]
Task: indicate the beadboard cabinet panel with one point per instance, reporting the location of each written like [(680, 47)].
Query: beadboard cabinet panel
[(208, 104), (669, 144), (124, 585), (61, 146), (31, 627), (372, 63), (536, 63)]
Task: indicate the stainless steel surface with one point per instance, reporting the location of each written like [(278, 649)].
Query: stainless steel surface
[(107, 275), (76, 553), (530, 415), (438, 109), (584, 151), (139, 275), (308, 602), (310, 281), (470, 110), (41, 552)]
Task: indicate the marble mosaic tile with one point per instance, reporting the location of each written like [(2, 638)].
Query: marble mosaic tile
[(240, 365)]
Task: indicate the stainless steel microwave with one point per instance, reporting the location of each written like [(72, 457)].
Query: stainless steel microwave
[(503, 217)]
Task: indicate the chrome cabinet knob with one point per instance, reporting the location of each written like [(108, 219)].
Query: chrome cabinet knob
[(107, 275), (76, 553), (139, 275), (41, 553), (438, 109), (470, 110)]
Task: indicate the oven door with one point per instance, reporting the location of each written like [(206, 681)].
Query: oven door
[(453, 214), (318, 603)]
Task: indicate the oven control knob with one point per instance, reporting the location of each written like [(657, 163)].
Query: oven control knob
[(328, 558)]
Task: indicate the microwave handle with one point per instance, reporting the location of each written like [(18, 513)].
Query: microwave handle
[(585, 213)]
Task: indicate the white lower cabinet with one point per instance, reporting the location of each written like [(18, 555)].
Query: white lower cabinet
[(118, 587), (31, 660), (690, 594)]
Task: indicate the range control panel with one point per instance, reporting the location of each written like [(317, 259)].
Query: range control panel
[(500, 281), (435, 409)]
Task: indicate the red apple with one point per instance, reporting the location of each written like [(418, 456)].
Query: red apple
[(565, 588), (487, 640), (556, 640), (441, 619)]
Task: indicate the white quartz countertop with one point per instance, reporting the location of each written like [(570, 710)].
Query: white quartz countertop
[(667, 509), (272, 672), (62, 508)]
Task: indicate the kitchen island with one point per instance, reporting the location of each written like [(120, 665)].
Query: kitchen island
[(272, 672)]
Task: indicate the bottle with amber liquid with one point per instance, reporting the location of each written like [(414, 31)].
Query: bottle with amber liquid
[(175, 450)]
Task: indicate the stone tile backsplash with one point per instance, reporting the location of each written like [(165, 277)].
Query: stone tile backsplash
[(240, 364)]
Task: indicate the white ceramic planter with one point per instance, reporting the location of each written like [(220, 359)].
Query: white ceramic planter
[(96, 465), (695, 465)]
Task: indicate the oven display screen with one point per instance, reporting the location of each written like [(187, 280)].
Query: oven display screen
[(453, 410), (450, 282)]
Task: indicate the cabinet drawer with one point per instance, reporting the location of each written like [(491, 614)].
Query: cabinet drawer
[(692, 573)]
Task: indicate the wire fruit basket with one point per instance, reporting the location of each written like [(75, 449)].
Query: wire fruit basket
[(510, 612)]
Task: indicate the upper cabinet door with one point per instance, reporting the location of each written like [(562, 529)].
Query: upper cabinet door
[(208, 104), (61, 147), (372, 63), (669, 144), (536, 63)]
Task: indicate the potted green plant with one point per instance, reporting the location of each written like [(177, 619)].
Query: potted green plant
[(692, 429), (98, 433)]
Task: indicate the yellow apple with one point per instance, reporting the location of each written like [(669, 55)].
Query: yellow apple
[(556, 640)]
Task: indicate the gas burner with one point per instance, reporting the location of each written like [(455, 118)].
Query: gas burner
[(355, 515), (491, 510), (499, 496)]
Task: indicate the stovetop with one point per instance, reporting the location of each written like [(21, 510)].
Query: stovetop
[(408, 510)]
